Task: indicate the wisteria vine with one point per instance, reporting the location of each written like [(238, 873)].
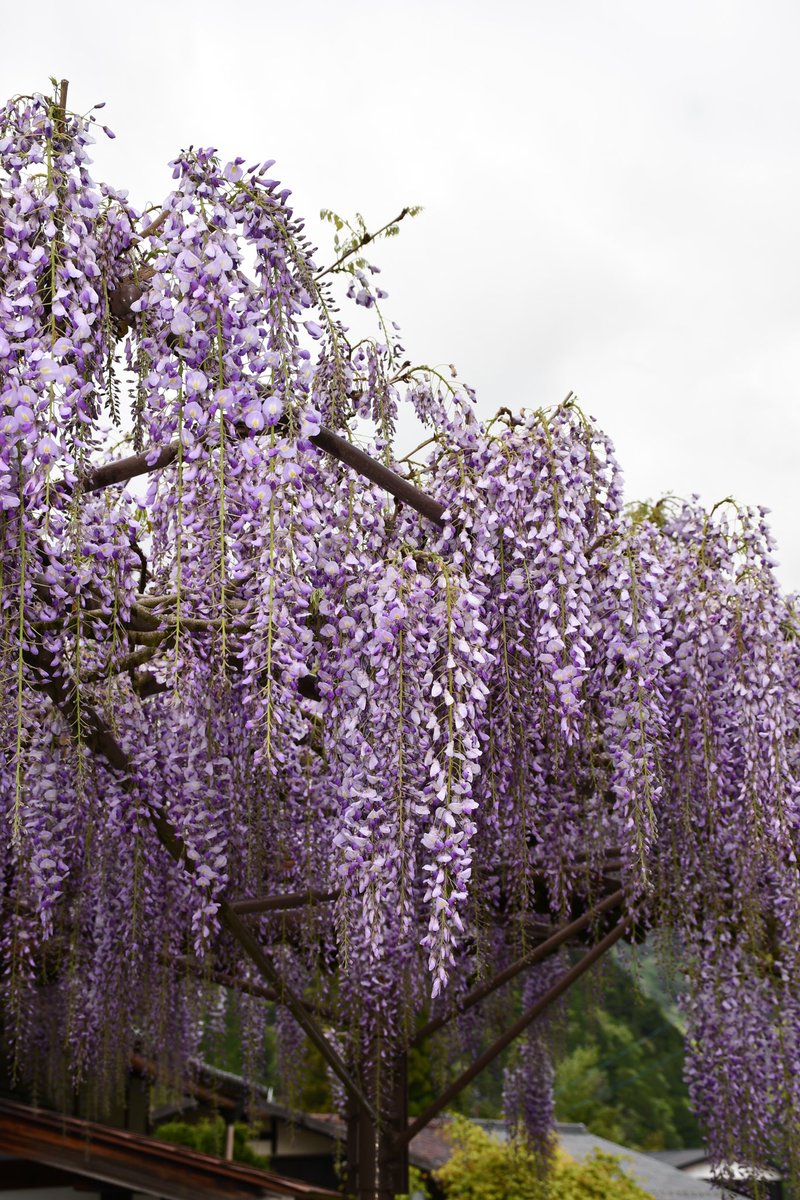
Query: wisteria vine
[(439, 728)]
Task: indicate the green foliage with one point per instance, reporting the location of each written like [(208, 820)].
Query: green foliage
[(657, 511), (599, 1177), (351, 236), (655, 970), (622, 1074), (620, 1066), (482, 1168), (584, 1093), (314, 1085), (429, 1074), (224, 1043), (417, 1185), (208, 1136)]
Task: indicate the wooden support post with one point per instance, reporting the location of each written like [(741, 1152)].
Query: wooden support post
[(392, 1147), (377, 1156)]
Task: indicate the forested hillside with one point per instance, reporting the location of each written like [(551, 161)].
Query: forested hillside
[(622, 1070)]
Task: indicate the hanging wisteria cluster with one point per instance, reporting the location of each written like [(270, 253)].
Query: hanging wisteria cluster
[(253, 671)]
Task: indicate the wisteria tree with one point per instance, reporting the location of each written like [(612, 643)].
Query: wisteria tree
[(364, 736)]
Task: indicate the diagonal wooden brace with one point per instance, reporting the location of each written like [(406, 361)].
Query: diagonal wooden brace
[(566, 981), (544, 950)]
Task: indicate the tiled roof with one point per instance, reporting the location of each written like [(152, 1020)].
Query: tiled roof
[(99, 1152), (660, 1179)]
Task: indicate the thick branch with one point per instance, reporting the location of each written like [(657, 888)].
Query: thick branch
[(566, 981), (375, 471), (279, 903), (528, 960), (124, 469)]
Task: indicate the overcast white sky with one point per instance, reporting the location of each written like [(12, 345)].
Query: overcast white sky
[(611, 190)]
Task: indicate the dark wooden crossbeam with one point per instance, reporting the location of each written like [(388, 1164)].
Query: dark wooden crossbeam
[(211, 975)]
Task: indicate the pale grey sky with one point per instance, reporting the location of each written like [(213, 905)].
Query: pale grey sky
[(611, 190)]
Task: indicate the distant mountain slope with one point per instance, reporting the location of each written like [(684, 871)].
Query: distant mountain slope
[(622, 1067)]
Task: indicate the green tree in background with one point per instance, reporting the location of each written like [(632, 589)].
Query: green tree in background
[(622, 1071), (208, 1136)]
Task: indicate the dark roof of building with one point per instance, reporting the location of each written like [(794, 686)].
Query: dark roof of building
[(430, 1149), (99, 1152), (427, 1151)]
